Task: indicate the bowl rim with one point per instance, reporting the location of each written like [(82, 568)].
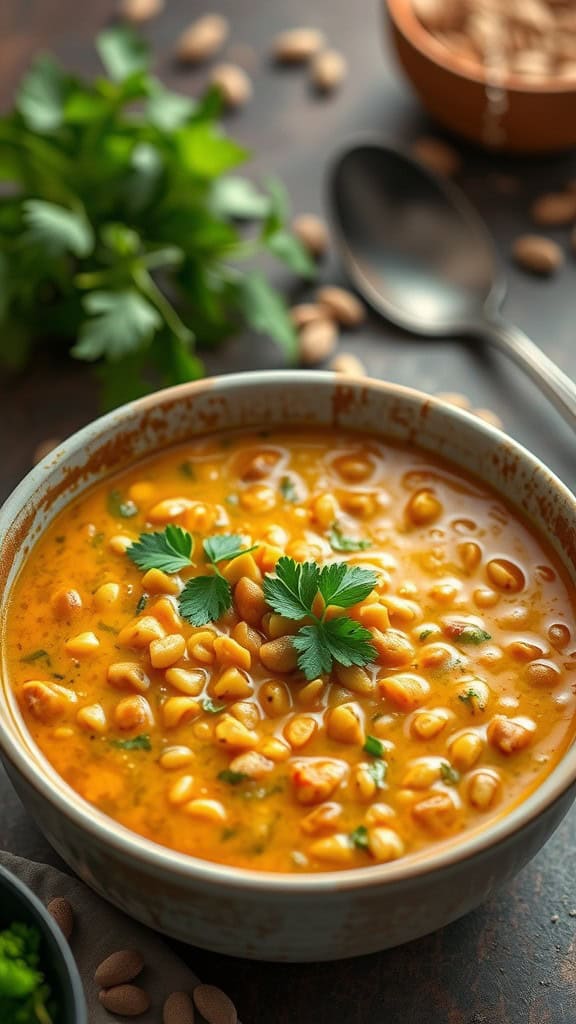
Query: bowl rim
[(47, 924), (126, 843), (402, 14)]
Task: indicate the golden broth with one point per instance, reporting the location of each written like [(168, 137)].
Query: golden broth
[(467, 707)]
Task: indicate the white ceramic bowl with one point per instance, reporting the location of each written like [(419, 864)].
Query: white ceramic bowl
[(249, 913)]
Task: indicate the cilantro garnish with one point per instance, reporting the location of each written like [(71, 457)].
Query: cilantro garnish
[(231, 777), (141, 742), (212, 708), (169, 550), (206, 598), (288, 489), (119, 508), (360, 837), (292, 592), (339, 542), (374, 746), (473, 699), (449, 774), (377, 770), (466, 633), (35, 656)]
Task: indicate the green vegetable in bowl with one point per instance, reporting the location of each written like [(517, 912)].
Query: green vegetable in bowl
[(119, 225), (24, 996)]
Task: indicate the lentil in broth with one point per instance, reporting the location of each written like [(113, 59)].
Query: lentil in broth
[(226, 751)]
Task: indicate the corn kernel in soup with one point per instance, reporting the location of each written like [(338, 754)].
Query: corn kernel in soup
[(234, 731)]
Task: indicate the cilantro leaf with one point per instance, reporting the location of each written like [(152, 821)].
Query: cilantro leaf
[(313, 656), (231, 777), (141, 742), (40, 97), (377, 770), (344, 585), (225, 546), (56, 228), (233, 196), (449, 774), (205, 599), (473, 699), (292, 590), (119, 508), (338, 542), (265, 311), (211, 708), (120, 323), (374, 746), (168, 110), (466, 632), (360, 837), (288, 489), (35, 656), (169, 550), (205, 151), (122, 52), (349, 643)]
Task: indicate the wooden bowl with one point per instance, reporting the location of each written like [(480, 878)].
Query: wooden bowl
[(519, 116)]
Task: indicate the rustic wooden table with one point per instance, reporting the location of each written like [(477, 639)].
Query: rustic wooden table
[(513, 961)]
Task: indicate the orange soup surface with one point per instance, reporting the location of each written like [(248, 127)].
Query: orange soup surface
[(208, 735)]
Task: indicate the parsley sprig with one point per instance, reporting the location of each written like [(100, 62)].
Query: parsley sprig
[(206, 598), (293, 592), (169, 550)]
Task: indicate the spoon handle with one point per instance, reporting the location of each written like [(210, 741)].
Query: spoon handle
[(555, 384)]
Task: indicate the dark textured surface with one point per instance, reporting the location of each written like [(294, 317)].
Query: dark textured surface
[(514, 960)]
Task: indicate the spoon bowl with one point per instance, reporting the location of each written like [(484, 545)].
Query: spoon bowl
[(420, 255)]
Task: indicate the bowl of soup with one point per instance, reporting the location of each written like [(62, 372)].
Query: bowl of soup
[(288, 661)]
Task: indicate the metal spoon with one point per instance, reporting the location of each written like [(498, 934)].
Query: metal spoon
[(421, 256)]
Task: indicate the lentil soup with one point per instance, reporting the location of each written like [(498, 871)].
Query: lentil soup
[(178, 658)]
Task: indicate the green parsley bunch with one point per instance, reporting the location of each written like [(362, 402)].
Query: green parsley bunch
[(119, 225)]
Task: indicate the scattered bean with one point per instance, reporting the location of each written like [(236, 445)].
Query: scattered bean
[(312, 232), (305, 313), (437, 156), (348, 365), (178, 1009), (297, 45), (233, 83), (140, 10), (119, 968), (125, 1000), (214, 1005), (555, 209), (329, 69), (61, 910), (341, 305), (538, 254), (202, 39), (317, 341)]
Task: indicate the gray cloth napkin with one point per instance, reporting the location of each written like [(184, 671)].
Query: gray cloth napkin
[(100, 929)]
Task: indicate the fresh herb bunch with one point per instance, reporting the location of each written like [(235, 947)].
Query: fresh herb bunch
[(119, 225), (24, 996)]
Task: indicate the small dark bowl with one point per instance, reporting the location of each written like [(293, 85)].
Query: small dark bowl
[(18, 903)]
